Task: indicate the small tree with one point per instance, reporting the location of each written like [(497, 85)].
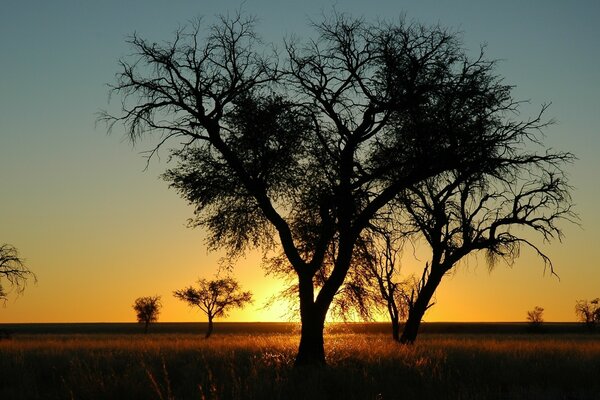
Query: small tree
[(215, 298), (588, 312), (535, 317), (379, 267), (147, 310), (13, 270)]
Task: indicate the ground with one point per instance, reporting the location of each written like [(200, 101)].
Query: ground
[(255, 361)]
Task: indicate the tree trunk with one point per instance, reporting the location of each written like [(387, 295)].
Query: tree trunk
[(210, 327), (146, 327), (393, 313), (395, 329), (311, 351), (416, 312), (313, 311)]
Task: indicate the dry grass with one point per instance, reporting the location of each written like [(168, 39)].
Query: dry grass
[(361, 366)]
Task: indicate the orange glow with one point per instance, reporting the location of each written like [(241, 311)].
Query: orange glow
[(100, 230)]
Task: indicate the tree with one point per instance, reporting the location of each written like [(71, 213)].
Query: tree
[(379, 272), (147, 310), (588, 312), (215, 298), (13, 270), (535, 317), (305, 150), (497, 212), (460, 213)]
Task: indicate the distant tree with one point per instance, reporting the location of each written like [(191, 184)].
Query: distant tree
[(13, 270), (535, 318), (588, 312), (215, 298), (147, 310), (306, 147)]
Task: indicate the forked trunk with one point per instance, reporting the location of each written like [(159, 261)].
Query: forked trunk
[(210, 327), (311, 351), (416, 312)]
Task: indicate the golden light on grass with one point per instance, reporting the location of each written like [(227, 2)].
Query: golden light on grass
[(237, 366)]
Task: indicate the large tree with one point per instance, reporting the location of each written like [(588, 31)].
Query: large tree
[(303, 150), (13, 270)]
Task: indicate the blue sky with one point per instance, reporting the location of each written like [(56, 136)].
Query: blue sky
[(88, 218)]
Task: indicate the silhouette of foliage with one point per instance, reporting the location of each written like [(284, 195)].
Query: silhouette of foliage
[(457, 216), (147, 310), (13, 271), (535, 318), (215, 298), (304, 148), (588, 312)]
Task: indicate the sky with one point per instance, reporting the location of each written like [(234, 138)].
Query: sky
[(99, 229)]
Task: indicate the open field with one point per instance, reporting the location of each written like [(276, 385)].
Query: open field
[(284, 328), (254, 361)]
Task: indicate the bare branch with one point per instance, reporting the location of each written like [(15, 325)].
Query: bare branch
[(13, 270)]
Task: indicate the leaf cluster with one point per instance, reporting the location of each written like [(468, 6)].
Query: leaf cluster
[(147, 308)]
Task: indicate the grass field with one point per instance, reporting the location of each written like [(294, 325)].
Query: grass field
[(254, 361)]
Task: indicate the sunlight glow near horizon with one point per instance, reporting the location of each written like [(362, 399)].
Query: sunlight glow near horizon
[(99, 231)]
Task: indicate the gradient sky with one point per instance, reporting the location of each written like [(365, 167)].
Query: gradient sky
[(100, 231)]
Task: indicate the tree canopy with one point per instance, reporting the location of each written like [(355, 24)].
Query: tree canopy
[(147, 310), (304, 148)]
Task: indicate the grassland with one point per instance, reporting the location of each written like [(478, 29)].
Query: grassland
[(246, 361)]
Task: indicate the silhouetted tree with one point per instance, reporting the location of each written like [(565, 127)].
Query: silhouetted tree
[(460, 213), (535, 318), (378, 267), (588, 312), (12, 270), (306, 149), (147, 310), (496, 212), (215, 298)]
